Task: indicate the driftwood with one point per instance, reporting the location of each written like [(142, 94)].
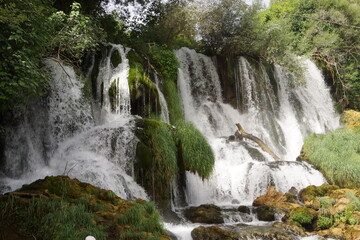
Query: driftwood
[(241, 133)]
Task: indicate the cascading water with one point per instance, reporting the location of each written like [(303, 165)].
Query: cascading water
[(164, 109), (60, 136), (280, 115)]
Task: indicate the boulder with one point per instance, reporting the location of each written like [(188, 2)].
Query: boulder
[(244, 209), (207, 213), (265, 213)]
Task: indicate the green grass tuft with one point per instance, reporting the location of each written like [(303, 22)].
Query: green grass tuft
[(337, 155), (195, 152)]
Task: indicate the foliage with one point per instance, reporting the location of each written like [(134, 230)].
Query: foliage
[(326, 30), (151, 223), (337, 155), (24, 40), (324, 222), (165, 60), (75, 33), (301, 216), (195, 152), (235, 28)]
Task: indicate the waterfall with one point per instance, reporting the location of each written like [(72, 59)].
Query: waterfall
[(278, 113), (164, 108), (64, 134), (114, 78)]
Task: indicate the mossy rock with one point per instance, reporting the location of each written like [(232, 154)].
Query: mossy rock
[(143, 92), (244, 209), (64, 208), (305, 217), (265, 213), (312, 192), (207, 213)]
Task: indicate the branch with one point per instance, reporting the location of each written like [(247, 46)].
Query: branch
[(262, 145)]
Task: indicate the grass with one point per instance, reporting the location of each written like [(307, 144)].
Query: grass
[(150, 222), (157, 155), (56, 219), (195, 152), (40, 211), (337, 155)]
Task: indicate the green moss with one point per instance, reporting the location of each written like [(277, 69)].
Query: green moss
[(303, 216), (143, 92), (195, 152), (156, 155), (312, 192), (337, 155), (324, 222)]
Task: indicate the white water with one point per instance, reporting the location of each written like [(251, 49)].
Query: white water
[(282, 120), (59, 137), (164, 108)]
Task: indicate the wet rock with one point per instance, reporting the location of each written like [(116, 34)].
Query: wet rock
[(207, 213), (265, 213), (235, 201), (212, 233), (244, 209)]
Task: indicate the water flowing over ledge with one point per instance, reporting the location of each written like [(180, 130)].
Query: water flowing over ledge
[(278, 113)]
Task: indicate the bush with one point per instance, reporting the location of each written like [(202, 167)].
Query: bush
[(324, 222), (337, 155), (302, 218)]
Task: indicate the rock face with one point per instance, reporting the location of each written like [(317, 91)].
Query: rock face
[(207, 213), (64, 208)]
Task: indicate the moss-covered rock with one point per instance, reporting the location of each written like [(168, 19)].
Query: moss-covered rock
[(143, 92), (305, 217), (313, 192), (64, 208), (265, 213), (351, 119), (206, 213)]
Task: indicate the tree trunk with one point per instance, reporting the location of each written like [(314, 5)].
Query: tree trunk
[(241, 132)]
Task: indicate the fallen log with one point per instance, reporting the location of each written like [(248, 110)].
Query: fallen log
[(241, 133)]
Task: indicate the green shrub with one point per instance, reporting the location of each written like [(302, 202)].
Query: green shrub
[(303, 217), (195, 152), (324, 222), (337, 155)]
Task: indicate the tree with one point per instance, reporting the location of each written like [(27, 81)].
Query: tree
[(328, 32)]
